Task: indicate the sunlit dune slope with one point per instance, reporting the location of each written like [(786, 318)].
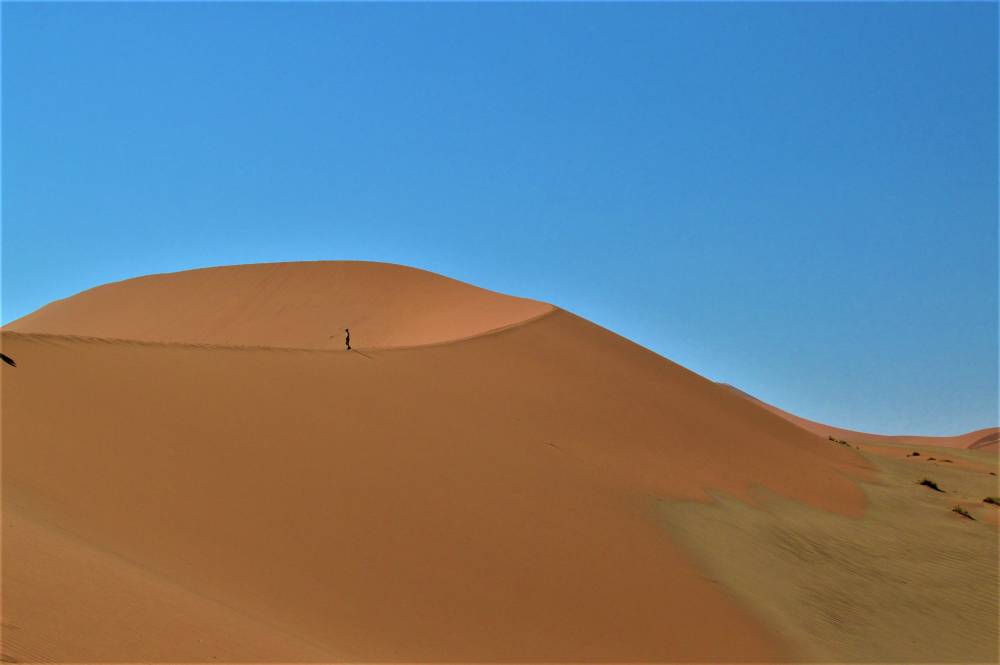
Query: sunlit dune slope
[(488, 499), (297, 305), (982, 439)]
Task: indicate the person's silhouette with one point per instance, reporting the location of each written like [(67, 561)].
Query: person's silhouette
[(348, 340)]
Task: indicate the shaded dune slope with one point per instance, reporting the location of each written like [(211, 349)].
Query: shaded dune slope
[(296, 305), (488, 499), (982, 439), (117, 608)]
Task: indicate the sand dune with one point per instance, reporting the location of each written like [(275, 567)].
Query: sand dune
[(497, 497), (982, 439), (294, 305)]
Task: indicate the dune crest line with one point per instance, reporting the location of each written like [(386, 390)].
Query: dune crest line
[(15, 334), (285, 305)]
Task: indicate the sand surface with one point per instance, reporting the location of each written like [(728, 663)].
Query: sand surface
[(196, 495), (911, 582), (67, 601)]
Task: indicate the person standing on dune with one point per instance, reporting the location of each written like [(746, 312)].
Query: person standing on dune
[(348, 340)]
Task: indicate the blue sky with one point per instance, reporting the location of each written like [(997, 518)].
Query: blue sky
[(799, 199)]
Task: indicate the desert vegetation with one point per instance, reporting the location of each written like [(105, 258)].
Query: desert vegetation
[(963, 512)]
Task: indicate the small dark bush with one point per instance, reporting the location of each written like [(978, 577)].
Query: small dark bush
[(927, 482), (914, 454), (963, 512), (995, 500)]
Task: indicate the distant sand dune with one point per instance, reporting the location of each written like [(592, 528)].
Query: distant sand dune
[(983, 439), (986, 442)]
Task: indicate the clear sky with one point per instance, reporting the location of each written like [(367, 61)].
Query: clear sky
[(798, 199)]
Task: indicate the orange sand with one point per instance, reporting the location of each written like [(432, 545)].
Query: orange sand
[(294, 305), (481, 497)]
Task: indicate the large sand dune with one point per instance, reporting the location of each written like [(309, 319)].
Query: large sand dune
[(195, 489)]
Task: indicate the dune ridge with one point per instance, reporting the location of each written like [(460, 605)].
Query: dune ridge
[(105, 339), (981, 439), (285, 305)]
